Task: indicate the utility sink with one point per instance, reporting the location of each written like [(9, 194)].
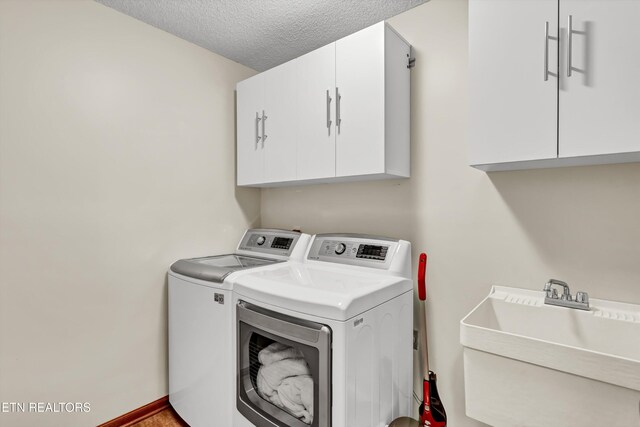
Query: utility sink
[(531, 364)]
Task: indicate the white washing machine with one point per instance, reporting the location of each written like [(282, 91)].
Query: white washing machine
[(326, 342), (201, 369)]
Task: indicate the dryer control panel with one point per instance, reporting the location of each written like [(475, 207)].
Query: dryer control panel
[(269, 241), (353, 249)]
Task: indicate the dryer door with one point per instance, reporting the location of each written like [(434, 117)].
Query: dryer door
[(284, 369)]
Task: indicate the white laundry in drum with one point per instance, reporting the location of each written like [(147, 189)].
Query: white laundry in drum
[(284, 379)]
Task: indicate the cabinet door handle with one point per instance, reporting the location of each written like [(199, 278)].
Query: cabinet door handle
[(338, 119), (264, 135), (546, 51), (257, 135), (569, 44), (328, 113)]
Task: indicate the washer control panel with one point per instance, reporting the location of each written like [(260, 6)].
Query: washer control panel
[(353, 249), (275, 242)]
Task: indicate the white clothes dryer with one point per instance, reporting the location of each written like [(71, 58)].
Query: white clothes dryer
[(201, 369), (343, 319)]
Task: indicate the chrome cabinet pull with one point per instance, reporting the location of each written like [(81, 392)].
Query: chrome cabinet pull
[(257, 123), (264, 135), (328, 113), (546, 51), (569, 43), (338, 119)]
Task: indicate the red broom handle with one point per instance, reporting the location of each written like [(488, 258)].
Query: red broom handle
[(422, 267)]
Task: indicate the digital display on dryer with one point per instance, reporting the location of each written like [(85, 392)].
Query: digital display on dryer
[(372, 252), (281, 243)]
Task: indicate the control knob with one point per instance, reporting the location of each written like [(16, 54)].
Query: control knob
[(261, 240), (340, 248)]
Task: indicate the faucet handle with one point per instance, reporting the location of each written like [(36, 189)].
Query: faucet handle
[(582, 297)]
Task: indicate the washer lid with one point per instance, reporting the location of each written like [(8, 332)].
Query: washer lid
[(216, 268), (331, 292)]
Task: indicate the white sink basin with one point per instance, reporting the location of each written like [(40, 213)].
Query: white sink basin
[(531, 364)]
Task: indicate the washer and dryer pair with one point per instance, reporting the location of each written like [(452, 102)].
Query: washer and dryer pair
[(293, 330)]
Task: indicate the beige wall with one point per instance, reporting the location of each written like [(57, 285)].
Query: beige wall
[(511, 228), (116, 158)]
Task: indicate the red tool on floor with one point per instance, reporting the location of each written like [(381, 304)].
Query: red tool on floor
[(431, 411)]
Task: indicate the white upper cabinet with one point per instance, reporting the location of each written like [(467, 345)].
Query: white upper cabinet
[(600, 100), (278, 124), (316, 151), (249, 146), (266, 133), (340, 112), (513, 100), (360, 102), (527, 110)]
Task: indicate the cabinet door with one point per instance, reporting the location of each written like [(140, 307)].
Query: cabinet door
[(513, 100), (360, 82), (316, 113), (249, 149), (279, 123), (600, 101)]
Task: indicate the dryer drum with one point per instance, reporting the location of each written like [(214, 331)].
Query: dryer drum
[(257, 343), (279, 357), (281, 375)]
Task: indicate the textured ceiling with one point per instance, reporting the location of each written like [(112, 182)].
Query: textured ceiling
[(261, 33)]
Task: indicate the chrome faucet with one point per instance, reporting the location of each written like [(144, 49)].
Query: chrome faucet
[(580, 302)]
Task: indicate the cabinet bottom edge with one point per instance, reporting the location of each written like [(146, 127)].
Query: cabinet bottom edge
[(330, 180), (599, 159)]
